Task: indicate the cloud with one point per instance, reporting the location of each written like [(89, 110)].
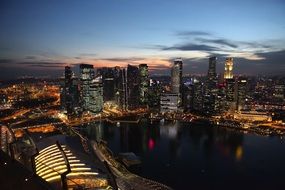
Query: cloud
[(46, 66), (217, 42), (121, 59), (255, 45), (88, 54), (5, 61), (274, 58), (190, 47), (193, 33), (30, 57), (40, 63)]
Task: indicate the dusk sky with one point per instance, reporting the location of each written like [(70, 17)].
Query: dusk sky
[(40, 37)]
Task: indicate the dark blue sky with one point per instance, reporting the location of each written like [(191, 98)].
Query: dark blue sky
[(40, 37)]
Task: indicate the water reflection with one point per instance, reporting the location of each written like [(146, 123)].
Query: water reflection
[(175, 152), (145, 137)]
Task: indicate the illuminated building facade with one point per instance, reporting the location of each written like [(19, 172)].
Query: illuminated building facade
[(68, 90), (176, 76), (69, 94), (212, 75), (60, 166), (154, 92), (210, 102), (230, 93), (169, 102), (241, 93), (121, 88), (187, 96), (86, 77), (96, 95), (198, 95), (143, 83), (229, 68)]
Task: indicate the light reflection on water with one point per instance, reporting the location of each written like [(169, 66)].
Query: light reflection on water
[(183, 155)]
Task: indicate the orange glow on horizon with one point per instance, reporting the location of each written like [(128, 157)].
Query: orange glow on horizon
[(153, 63)]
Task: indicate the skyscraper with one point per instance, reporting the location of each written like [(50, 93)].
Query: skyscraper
[(176, 76), (154, 93), (68, 90), (96, 95), (108, 83), (86, 77), (241, 93), (230, 93), (210, 103), (121, 87), (188, 96), (132, 87), (198, 98), (143, 83), (229, 68), (212, 75)]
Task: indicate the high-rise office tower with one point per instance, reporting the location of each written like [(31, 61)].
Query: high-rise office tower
[(210, 104), (176, 76), (69, 94), (143, 83), (198, 95), (86, 77), (68, 89), (188, 96), (212, 75), (108, 83), (241, 93), (118, 85), (229, 68), (75, 94), (96, 95), (62, 92), (121, 87), (154, 93), (169, 102), (132, 87), (230, 93)]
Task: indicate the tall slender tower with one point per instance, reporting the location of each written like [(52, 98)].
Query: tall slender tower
[(132, 87), (143, 83), (211, 91), (212, 75), (68, 90), (229, 68), (86, 77), (96, 95), (176, 76)]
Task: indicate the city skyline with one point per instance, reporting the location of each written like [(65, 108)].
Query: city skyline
[(41, 38)]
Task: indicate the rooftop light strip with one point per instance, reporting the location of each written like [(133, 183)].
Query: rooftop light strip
[(53, 178), (52, 169), (53, 153), (45, 160), (54, 173), (50, 162), (81, 173), (49, 166), (80, 169), (47, 148)]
